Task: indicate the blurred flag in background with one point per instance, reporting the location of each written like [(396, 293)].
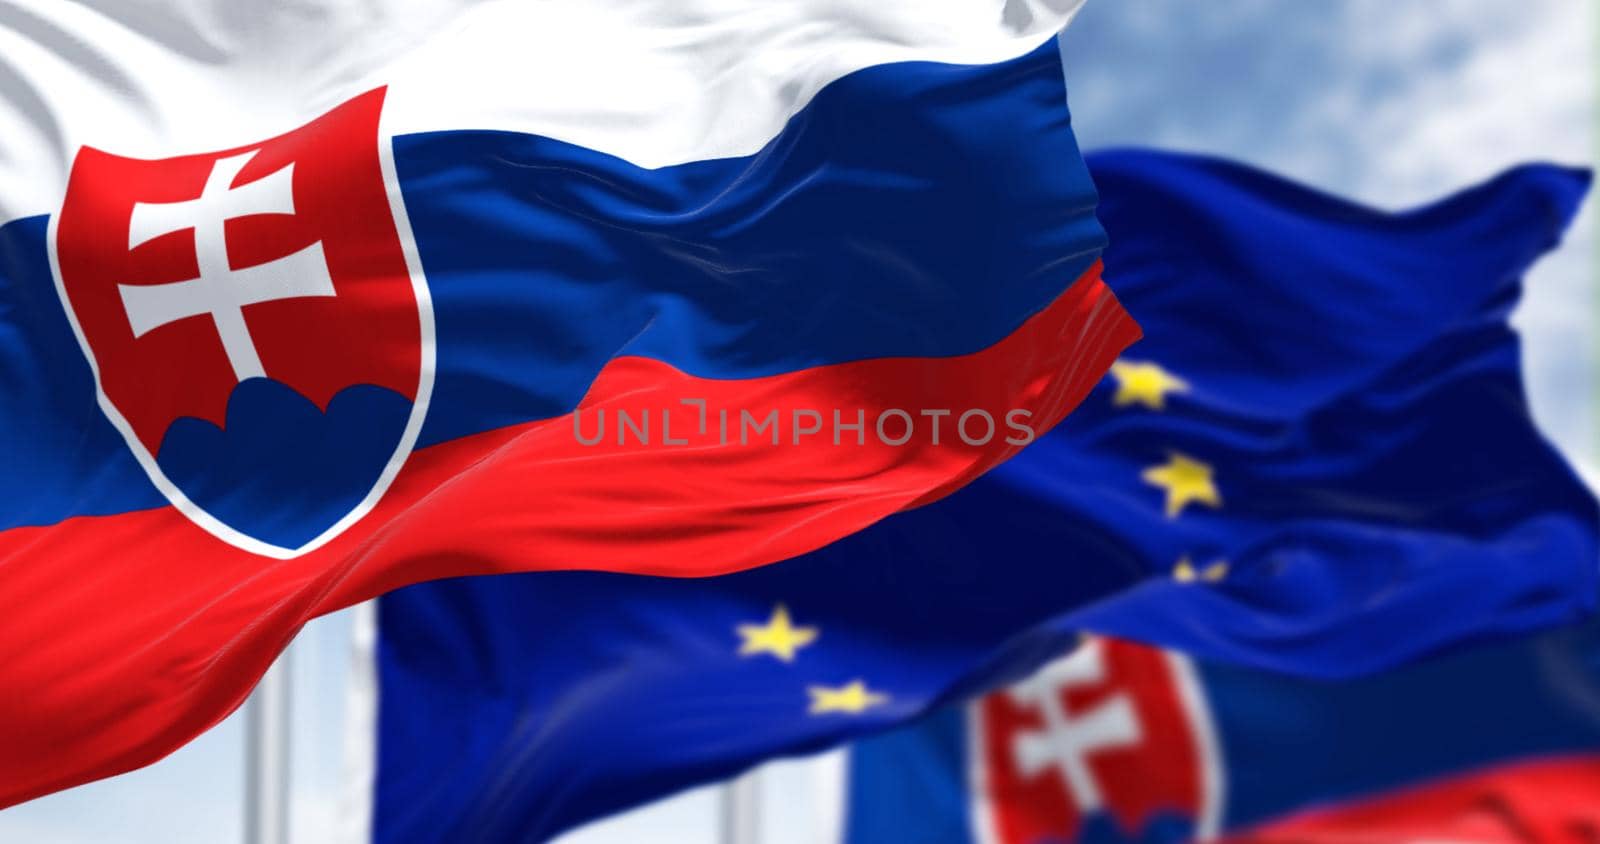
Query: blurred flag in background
[(1121, 742), (1329, 410), (1320, 461)]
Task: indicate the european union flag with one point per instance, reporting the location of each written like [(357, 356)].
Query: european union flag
[(1319, 460), (1329, 404)]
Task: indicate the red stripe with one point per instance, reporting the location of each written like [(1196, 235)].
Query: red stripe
[(124, 636), (1547, 801)]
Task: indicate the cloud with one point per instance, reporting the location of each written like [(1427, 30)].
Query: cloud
[(1391, 103), (1523, 88)]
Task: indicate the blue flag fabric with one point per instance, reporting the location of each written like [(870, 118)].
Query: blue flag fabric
[(1320, 460), (1351, 395)]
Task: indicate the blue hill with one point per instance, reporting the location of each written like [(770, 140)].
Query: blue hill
[(280, 470), (1101, 828)]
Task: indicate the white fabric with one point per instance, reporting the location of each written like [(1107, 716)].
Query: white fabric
[(654, 81)]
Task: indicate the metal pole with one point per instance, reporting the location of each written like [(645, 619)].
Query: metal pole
[(360, 727), (741, 809), (266, 772)]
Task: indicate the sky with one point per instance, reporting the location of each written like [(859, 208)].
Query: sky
[(1389, 102)]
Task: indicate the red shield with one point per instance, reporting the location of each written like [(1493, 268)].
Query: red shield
[(186, 278), (1114, 732)]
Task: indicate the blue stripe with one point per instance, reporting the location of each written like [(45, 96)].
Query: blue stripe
[(913, 209), (1445, 716), (911, 785), (61, 455)]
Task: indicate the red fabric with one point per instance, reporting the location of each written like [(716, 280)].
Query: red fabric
[(125, 636), (1548, 801)]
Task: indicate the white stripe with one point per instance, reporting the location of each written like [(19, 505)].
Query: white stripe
[(980, 793), (656, 82), (830, 772)]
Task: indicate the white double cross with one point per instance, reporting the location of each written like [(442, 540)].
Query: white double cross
[(221, 291), (1067, 742)]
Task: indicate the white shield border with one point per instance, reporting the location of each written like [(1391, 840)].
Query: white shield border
[(408, 438), (1196, 710)]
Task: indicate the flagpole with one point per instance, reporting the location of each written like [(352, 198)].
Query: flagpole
[(741, 809), (266, 772), (360, 727)]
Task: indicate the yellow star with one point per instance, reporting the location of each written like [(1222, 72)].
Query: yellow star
[(1185, 479), (853, 699), (1144, 383), (1185, 572), (778, 636)]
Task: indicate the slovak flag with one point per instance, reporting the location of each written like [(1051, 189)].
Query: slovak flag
[(1123, 743), (304, 304)]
